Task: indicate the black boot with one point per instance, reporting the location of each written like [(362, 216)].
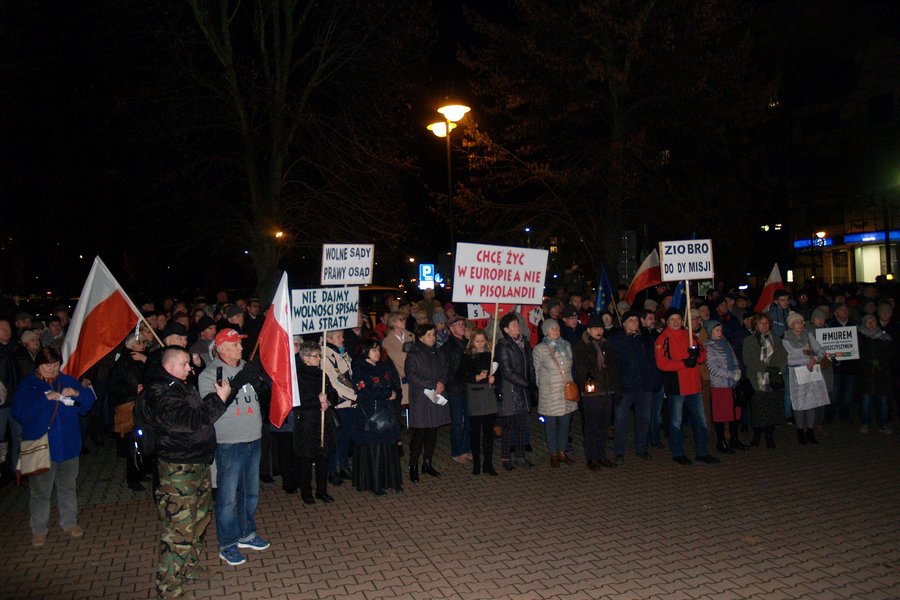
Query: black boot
[(801, 437), (414, 473), (428, 469), (488, 468), (770, 437), (811, 436), (721, 445), (735, 441), (476, 465), (757, 433)]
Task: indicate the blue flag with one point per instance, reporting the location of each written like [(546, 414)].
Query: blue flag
[(678, 296), (604, 290)]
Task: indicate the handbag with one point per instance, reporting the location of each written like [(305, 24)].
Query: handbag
[(34, 455), (573, 394), (776, 378)]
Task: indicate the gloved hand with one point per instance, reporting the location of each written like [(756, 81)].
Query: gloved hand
[(694, 351), (690, 362), (737, 374)]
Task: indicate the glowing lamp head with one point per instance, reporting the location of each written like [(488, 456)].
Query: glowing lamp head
[(454, 112), (440, 129)]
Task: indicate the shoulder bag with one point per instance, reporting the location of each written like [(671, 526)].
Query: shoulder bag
[(573, 394), (34, 455)]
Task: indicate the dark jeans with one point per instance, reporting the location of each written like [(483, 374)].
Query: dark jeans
[(641, 403), (459, 425), (597, 412), (481, 437), (419, 439), (841, 396), (341, 458), (288, 462), (265, 449)]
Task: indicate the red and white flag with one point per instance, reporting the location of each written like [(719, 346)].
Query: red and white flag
[(276, 352), (103, 318), (647, 275), (767, 295)]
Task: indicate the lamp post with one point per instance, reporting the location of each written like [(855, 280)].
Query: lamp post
[(820, 242), (452, 114)]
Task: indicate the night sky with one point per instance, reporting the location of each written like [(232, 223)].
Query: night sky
[(100, 157)]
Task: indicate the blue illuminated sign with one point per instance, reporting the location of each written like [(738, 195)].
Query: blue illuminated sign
[(813, 243), (428, 277), (869, 236)]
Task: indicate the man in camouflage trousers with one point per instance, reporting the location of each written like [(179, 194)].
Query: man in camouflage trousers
[(183, 422)]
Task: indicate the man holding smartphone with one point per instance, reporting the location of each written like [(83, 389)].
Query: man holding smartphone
[(238, 448), (183, 422)]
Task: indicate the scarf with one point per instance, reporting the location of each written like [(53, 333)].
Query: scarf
[(520, 342), (559, 346), (601, 359), (794, 341), (875, 334), (766, 350)]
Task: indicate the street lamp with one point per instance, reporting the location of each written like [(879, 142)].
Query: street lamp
[(452, 114)]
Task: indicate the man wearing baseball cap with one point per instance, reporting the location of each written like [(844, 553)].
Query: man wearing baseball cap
[(238, 448)]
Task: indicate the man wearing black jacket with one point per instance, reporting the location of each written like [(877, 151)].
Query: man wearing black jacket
[(453, 349), (183, 423)]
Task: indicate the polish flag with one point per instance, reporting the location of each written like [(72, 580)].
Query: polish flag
[(767, 295), (103, 318), (276, 352), (647, 276)]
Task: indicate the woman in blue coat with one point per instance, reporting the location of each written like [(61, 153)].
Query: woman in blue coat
[(50, 402)]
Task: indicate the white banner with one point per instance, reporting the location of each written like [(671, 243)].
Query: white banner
[(840, 342), (686, 259), (347, 264), (476, 311), (323, 309), (502, 274)]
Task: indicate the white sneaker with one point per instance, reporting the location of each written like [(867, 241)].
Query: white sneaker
[(886, 430), (864, 429)]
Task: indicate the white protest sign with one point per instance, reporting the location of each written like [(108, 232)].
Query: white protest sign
[(323, 309), (347, 264), (476, 311), (840, 342), (506, 274), (686, 259)]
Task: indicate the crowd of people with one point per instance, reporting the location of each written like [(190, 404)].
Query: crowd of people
[(190, 373)]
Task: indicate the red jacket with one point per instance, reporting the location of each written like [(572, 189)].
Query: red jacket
[(671, 349)]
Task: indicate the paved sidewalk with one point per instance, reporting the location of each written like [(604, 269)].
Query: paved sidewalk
[(795, 522)]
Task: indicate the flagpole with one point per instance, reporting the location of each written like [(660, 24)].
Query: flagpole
[(494, 336), (255, 348), (322, 366), (687, 305)]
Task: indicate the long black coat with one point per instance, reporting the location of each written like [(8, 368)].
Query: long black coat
[(307, 416), (516, 376), (425, 366)]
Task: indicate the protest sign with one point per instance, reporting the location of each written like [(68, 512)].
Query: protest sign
[(686, 259), (347, 264), (510, 275), (323, 309), (840, 342)]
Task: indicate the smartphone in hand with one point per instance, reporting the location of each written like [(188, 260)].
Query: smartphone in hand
[(219, 375)]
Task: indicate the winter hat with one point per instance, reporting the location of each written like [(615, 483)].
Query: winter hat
[(438, 317), (674, 311), (204, 323), (173, 328), (792, 317), (623, 306), (630, 313), (233, 311), (29, 335), (547, 325), (650, 304), (819, 312), (596, 320), (710, 325), (568, 310)]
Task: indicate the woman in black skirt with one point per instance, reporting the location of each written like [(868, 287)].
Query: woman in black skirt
[(765, 359), (376, 430)]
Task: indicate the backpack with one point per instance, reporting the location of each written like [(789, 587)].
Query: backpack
[(146, 440)]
